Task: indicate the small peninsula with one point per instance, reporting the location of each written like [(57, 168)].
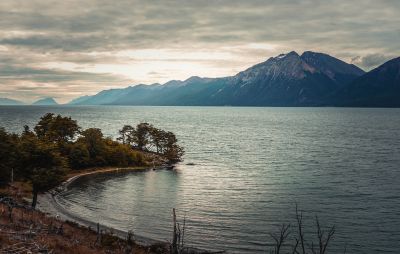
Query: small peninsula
[(59, 150)]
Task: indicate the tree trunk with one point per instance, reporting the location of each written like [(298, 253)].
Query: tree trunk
[(10, 210), (34, 199)]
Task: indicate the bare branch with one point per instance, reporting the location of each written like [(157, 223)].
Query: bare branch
[(299, 218), (279, 240)]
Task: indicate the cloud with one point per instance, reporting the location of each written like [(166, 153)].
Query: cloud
[(50, 76), (137, 24), (181, 38), (372, 60), (28, 82)]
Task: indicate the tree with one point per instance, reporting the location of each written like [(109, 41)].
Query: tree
[(56, 128), (158, 139), (43, 179), (148, 138), (94, 140), (78, 156), (126, 134), (171, 150), (27, 131), (42, 128), (8, 154), (141, 135), (40, 163), (122, 155)]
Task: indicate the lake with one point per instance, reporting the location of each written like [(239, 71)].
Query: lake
[(250, 168)]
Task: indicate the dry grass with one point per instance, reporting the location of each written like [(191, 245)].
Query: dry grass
[(37, 232), (17, 190)]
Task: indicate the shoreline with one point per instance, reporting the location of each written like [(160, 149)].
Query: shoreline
[(48, 204)]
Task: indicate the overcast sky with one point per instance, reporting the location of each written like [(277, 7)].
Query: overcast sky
[(65, 49)]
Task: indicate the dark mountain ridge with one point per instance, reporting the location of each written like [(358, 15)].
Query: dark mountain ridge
[(377, 88)]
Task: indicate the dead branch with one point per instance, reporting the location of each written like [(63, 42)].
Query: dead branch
[(279, 240), (299, 219)]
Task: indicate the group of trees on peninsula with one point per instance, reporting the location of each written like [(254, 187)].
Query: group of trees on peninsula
[(146, 137), (57, 144)]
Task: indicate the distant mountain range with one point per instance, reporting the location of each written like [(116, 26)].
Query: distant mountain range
[(6, 101), (42, 102), (310, 79), (45, 102)]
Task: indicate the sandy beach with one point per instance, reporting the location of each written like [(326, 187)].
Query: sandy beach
[(47, 203)]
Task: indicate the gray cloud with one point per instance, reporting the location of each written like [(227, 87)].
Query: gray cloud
[(51, 76), (371, 60), (36, 32), (149, 23)]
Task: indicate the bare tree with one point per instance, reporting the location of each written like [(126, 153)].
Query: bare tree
[(323, 238), (300, 245), (280, 239), (299, 219)]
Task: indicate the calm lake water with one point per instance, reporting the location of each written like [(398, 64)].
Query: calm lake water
[(251, 166)]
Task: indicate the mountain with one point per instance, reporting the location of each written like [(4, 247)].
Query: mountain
[(175, 92), (104, 97), (193, 91), (288, 80), (7, 101), (285, 80), (336, 69), (45, 102), (79, 100), (377, 88)]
